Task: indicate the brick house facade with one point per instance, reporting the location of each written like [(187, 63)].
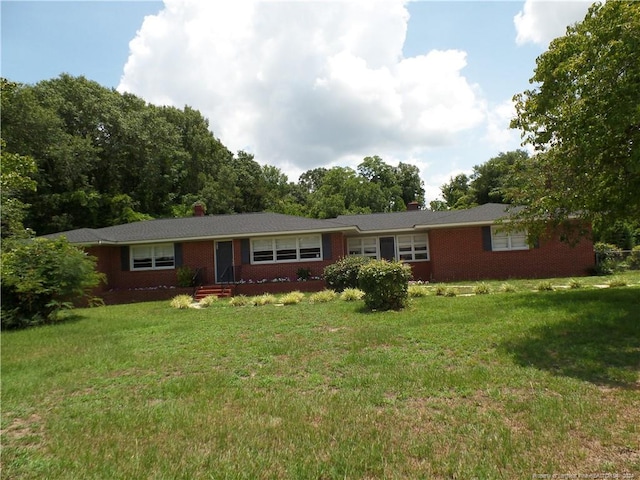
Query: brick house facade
[(254, 248)]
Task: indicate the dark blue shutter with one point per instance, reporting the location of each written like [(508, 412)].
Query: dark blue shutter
[(326, 246), (124, 259), (536, 242), (486, 238), (177, 252), (245, 251)]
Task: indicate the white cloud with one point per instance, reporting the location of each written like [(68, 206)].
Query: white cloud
[(498, 132), (303, 85), (540, 21)]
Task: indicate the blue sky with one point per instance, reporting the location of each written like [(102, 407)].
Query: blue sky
[(307, 84)]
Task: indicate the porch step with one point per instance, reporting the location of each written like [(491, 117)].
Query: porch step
[(206, 290)]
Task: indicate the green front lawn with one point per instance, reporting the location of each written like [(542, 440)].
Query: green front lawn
[(507, 385)]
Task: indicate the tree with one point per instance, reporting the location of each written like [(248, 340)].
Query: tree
[(15, 179), (495, 180), (583, 119), (457, 192)]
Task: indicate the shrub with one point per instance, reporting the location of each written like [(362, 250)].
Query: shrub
[(544, 286), (418, 291), (507, 288), (482, 289), (617, 282), (323, 296), (344, 273), (575, 284), (239, 301), (184, 276), (304, 274), (444, 291), (634, 258), (265, 299), (385, 284), (208, 301), (41, 277), (608, 258), (181, 301), (292, 298), (351, 294)]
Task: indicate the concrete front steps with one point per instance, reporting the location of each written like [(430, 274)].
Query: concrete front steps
[(206, 290)]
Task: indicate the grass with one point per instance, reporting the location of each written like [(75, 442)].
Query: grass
[(487, 386)]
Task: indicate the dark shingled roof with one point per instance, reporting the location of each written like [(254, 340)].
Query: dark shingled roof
[(256, 224), (191, 228), (378, 222)]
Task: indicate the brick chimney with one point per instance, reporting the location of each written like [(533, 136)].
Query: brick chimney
[(413, 206), (198, 209)]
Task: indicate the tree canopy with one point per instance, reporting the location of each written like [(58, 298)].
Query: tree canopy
[(583, 119), (100, 158)]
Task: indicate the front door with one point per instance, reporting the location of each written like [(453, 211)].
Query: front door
[(387, 248), (224, 262)]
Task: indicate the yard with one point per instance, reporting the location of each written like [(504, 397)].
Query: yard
[(507, 385)]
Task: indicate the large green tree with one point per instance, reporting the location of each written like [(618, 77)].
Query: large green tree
[(583, 118)]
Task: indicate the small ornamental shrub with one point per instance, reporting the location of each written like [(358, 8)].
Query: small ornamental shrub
[(385, 284), (351, 294), (303, 274), (418, 291), (344, 273), (507, 288), (575, 284), (617, 282), (292, 298), (208, 301), (444, 291), (239, 301), (266, 299), (323, 297), (482, 289), (181, 301), (544, 286), (184, 276)]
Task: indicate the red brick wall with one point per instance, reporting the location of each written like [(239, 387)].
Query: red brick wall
[(457, 254)]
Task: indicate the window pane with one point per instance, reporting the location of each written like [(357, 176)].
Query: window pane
[(142, 257), (310, 252), (519, 241), (262, 250)]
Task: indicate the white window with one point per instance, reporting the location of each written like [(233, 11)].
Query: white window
[(152, 257), (286, 249), (413, 247), (363, 247), (502, 240)]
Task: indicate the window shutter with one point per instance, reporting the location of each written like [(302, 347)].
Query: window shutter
[(124, 259), (177, 251), (486, 239), (245, 251), (326, 246)]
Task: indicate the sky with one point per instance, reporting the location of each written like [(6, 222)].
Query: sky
[(307, 84)]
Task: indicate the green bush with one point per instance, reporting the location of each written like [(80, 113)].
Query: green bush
[(184, 276), (344, 273), (608, 258), (41, 277), (385, 284), (240, 301), (544, 286), (264, 299), (634, 259)]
